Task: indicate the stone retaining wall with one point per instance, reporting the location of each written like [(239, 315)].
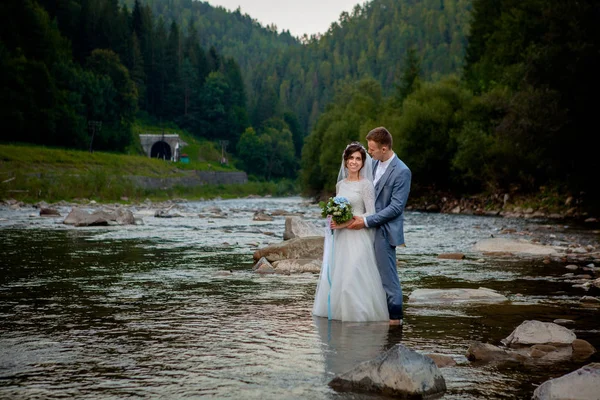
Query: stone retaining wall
[(194, 178)]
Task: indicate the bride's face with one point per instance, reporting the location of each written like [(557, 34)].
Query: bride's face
[(355, 162)]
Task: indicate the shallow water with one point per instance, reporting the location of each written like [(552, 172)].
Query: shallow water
[(172, 308)]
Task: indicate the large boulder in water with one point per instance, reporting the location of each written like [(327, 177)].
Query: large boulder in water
[(310, 247), (583, 384), (79, 217), (400, 371), (298, 227), (537, 332)]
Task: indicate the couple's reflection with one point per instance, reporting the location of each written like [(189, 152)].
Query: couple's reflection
[(346, 344)]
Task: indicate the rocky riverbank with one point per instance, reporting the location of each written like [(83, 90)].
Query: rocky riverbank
[(504, 205)]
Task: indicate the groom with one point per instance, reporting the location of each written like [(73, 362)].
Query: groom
[(392, 185)]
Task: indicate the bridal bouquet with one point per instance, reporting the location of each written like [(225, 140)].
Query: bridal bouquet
[(338, 208)]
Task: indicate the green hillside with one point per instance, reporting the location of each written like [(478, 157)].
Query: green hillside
[(282, 74)]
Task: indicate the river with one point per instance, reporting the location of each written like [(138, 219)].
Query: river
[(172, 309)]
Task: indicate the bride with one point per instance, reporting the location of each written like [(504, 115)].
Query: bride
[(349, 287)]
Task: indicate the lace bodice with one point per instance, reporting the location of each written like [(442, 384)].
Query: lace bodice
[(360, 194)]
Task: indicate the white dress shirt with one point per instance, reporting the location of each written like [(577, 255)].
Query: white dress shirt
[(381, 168)]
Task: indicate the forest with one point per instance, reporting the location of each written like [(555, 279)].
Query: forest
[(480, 96), (516, 118)]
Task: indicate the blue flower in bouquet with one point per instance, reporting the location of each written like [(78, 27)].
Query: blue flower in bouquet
[(339, 208)]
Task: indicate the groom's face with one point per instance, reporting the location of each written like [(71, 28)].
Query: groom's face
[(376, 151)]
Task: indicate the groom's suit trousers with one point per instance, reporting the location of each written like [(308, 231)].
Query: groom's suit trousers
[(385, 255)]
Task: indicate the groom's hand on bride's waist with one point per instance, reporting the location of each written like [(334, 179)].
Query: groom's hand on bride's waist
[(357, 223)]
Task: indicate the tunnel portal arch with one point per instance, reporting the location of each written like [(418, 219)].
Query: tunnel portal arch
[(163, 146), (161, 150)]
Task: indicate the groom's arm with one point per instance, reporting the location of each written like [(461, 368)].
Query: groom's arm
[(400, 191)]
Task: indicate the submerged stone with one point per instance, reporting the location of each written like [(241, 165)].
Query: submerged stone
[(481, 295), (400, 372), (502, 245)]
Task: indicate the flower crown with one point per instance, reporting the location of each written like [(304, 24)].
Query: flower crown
[(355, 144)]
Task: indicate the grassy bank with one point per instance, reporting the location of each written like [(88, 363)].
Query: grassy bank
[(34, 173)]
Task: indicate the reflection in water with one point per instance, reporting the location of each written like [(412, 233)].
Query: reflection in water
[(346, 344)]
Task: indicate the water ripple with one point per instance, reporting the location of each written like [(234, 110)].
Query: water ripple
[(171, 308)]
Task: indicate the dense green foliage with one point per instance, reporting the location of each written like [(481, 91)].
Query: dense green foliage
[(67, 63), (542, 57), (372, 41), (518, 120), (479, 95), (106, 59), (297, 77)]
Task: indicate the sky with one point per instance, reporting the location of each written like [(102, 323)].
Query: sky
[(297, 16)]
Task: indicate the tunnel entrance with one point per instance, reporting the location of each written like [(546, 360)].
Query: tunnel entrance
[(161, 150)]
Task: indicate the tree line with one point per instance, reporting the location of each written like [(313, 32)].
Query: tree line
[(518, 118), (289, 76), (68, 64), (480, 96)]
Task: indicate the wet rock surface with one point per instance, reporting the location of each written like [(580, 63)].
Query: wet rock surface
[(534, 342), (299, 227), (582, 384), (537, 332), (456, 296), (400, 372)]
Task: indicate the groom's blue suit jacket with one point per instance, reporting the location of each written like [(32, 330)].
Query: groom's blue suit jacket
[(391, 194)]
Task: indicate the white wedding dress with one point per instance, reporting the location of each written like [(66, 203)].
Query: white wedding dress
[(349, 287)]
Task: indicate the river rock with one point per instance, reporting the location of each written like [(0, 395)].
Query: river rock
[(433, 208), (590, 299), (49, 212), (124, 216), (503, 245), (166, 214), (582, 349), (399, 371), (297, 266), (561, 321), (537, 332), (212, 209), (442, 360), (582, 384), (304, 247), (488, 352), (451, 256), (79, 217), (263, 266), (481, 295), (262, 217), (547, 354), (298, 227)]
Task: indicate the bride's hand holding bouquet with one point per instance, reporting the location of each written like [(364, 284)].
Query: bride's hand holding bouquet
[(338, 210)]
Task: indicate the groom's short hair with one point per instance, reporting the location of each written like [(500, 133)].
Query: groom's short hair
[(381, 136)]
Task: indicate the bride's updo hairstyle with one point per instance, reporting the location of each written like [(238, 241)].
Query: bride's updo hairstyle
[(353, 148)]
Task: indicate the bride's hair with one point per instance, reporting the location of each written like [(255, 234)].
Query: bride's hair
[(353, 148)]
